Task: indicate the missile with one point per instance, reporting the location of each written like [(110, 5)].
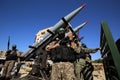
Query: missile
[(74, 13), (68, 17)]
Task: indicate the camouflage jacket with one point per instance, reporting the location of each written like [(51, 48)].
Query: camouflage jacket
[(80, 49)]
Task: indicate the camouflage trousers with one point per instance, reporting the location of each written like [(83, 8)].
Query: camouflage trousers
[(63, 71), (8, 66), (79, 65)]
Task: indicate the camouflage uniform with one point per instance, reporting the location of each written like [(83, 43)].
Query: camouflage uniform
[(81, 62), (63, 58), (88, 59), (79, 65), (62, 71), (9, 63), (88, 69), (8, 68)]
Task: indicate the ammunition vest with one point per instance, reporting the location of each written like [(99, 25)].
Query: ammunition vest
[(63, 53)]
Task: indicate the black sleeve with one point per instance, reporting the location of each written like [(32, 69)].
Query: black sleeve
[(53, 53)]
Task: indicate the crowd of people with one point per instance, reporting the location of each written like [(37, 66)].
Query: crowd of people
[(68, 58)]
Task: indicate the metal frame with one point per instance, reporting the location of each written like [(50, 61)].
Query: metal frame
[(109, 52)]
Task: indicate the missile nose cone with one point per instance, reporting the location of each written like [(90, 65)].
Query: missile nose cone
[(86, 22), (74, 13), (83, 5)]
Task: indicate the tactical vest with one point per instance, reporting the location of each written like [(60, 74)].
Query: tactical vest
[(12, 55), (63, 53)]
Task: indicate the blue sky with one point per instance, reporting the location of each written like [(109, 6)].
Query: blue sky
[(22, 19)]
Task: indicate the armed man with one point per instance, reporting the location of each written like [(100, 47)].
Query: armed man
[(11, 57), (63, 58), (80, 62)]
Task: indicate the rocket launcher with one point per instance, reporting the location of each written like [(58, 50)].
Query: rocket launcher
[(39, 48)]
